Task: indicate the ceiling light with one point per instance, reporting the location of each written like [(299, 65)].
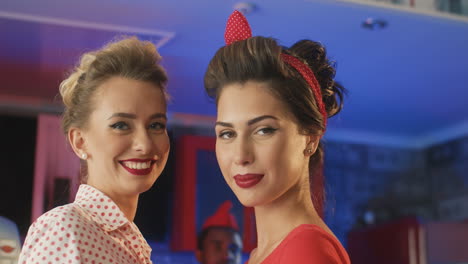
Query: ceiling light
[(372, 23)]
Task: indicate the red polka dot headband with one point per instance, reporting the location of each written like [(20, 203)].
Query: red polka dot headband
[(237, 28)]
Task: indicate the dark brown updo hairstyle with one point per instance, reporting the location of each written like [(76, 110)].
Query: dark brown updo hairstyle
[(128, 58), (258, 59)]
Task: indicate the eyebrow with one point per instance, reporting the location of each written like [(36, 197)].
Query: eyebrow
[(250, 122), (133, 116)]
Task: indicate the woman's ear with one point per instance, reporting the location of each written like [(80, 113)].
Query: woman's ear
[(312, 145), (77, 142)]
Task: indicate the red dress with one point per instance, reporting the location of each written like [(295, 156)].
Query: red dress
[(308, 244)]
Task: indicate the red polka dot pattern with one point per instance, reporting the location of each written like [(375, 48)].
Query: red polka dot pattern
[(237, 28), (90, 230), (309, 77)]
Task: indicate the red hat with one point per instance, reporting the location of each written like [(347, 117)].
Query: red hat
[(222, 217)]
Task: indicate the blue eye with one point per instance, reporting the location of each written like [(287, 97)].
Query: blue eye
[(157, 126), (120, 126)]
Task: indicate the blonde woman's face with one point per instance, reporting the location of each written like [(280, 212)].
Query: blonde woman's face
[(259, 148), (126, 137)]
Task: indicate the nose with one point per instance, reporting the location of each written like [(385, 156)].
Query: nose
[(243, 152), (142, 142)]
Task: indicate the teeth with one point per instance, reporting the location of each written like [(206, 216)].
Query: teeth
[(137, 165)]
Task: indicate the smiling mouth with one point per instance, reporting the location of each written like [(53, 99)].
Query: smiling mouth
[(138, 167)]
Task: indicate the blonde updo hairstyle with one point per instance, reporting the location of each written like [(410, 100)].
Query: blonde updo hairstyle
[(128, 58)]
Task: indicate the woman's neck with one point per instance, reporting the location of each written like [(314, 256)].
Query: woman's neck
[(277, 219)]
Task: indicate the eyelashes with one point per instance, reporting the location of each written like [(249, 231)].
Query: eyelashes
[(123, 126), (119, 126), (264, 131), (158, 126), (226, 134)]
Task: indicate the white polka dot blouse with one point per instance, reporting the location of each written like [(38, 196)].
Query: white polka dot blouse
[(92, 229)]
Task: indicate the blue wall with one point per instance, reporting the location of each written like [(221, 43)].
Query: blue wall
[(430, 183)]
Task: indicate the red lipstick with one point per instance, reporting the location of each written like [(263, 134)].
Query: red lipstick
[(247, 180), (138, 172), (7, 249)]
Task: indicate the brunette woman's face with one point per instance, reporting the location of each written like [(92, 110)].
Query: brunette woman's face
[(259, 147), (126, 138)]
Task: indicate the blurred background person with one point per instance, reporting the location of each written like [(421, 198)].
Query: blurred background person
[(219, 241), (10, 245)]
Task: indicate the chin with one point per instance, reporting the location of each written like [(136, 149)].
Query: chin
[(254, 198), (246, 201), (145, 187), (141, 186)]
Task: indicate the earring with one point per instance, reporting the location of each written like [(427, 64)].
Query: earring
[(84, 156), (309, 151)]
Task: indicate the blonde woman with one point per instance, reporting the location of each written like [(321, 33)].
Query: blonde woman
[(115, 121)]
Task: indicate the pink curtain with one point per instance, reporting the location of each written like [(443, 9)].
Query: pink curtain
[(54, 160)]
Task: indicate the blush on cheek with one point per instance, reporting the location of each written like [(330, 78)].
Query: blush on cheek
[(164, 146)]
